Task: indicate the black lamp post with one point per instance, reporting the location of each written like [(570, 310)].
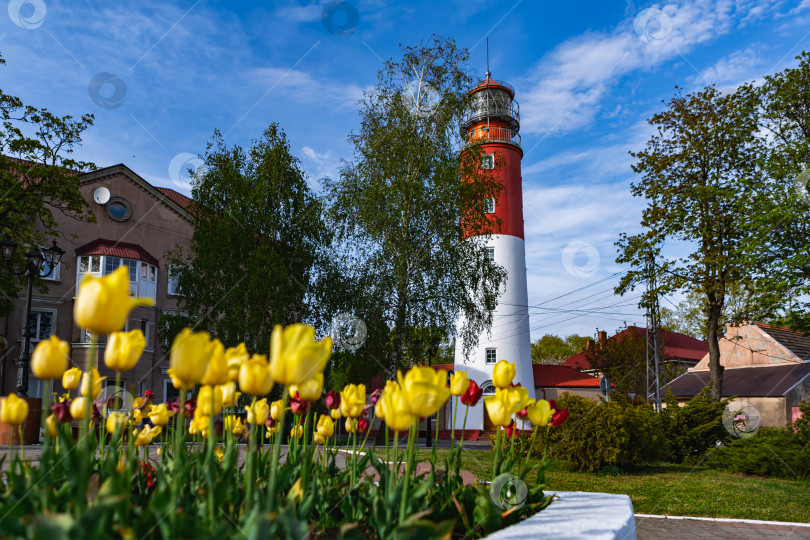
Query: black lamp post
[(33, 267)]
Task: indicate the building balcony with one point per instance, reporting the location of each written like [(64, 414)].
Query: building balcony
[(493, 135), (483, 109)]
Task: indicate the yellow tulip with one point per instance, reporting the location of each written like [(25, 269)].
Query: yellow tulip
[(219, 453), (217, 371), (52, 425), (136, 417), (353, 400), (295, 356), (311, 389), (50, 358), (379, 411), (209, 400), (177, 383), (351, 425), (540, 413), (501, 406), (77, 408), (229, 394), (254, 376), (124, 349), (13, 410), (200, 422), (159, 415), (71, 378), (116, 421), (297, 432), (257, 413), (143, 437), (396, 407), (96, 387), (272, 430), (233, 424), (103, 304), (234, 357), (426, 390), (459, 383), (317, 439), (335, 414), (325, 427), (503, 373), (277, 410), (189, 357), (524, 398)]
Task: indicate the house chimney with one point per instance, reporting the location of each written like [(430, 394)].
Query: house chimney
[(588, 344), (602, 338)]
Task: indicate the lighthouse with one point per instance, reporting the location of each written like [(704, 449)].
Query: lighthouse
[(493, 119)]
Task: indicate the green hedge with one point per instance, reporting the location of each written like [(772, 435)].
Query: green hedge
[(694, 428)]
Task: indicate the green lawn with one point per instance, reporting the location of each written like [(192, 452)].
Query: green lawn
[(675, 489)]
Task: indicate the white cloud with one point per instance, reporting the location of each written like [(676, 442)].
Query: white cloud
[(568, 86), (740, 66), (302, 87)]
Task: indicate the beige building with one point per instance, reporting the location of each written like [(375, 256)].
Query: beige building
[(137, 224), (768, 368)]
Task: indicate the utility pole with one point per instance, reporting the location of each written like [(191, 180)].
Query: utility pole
[(653, 338)]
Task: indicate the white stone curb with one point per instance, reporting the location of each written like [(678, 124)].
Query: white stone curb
[(576, 515), (729, 520)]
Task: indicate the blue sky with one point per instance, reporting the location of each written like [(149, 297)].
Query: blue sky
[(160, 76)]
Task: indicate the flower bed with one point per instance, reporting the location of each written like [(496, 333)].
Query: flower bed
[(104, 483)]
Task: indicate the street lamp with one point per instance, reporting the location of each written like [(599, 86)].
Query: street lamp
[(33, 268)]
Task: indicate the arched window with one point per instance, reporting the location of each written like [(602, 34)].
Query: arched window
[(489, 388)]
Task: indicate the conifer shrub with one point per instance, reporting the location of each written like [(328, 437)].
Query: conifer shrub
[(772, 451), (693, 428)]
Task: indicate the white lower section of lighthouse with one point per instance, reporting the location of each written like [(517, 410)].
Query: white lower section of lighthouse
[(508, 338)]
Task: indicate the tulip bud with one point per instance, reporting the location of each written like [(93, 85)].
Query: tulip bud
[(216, 373), (332, 400), (189, 357), (258, 412), (52, 426), (363, 425), (77, 407), (559, 418), (61, 411), (503, 373), (13, 410), (93, 392), (50, 358), (297, 432), (209, 400), (375, 396), (335, 414), (459, 383), (277, 410), (298, 406), (295, 356), (234, 358), (350, 425), (254, 376), (472, 395), (71, 378), (124, 349)]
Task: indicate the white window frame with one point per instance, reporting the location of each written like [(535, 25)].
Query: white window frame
[(494, 355), (488, 162), (485, 386), (172, 283), (489, 205), (490, 253), (55, 275), (34, 310)]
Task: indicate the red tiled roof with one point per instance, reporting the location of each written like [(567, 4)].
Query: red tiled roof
[(101, 246), (177, 198), (548, 376), (676, 346)]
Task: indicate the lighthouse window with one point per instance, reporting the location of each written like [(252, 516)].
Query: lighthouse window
[(491, 355), (491, 254), (488, 161), (489, 205)]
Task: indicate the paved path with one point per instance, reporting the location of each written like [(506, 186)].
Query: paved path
[(648, 528)]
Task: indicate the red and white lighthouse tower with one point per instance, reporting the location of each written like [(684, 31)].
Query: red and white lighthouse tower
[(494, 119)]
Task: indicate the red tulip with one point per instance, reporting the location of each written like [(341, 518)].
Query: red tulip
[(270, 422), (95, 413), (62, 411), (375, 396), (189, 407), (523, 413), (332, 400), (553, 405), (173, 406), (363, 425), (510, 429), (298, 405), (559, 418), (472, 395)]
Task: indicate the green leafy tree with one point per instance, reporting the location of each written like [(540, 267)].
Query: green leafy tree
[(780, 228), (258, 246), (400, 207), (696, 174), (688, 316), (552, 349), (38, 179)]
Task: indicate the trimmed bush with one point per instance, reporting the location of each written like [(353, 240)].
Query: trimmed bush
[(771, 451)]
